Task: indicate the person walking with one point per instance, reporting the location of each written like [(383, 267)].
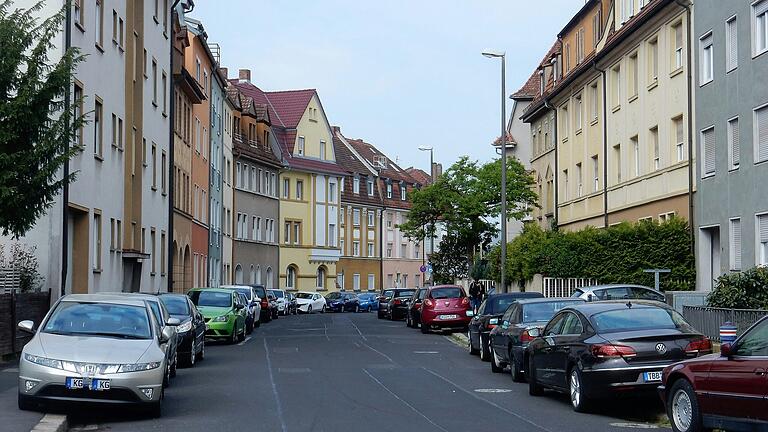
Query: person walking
[(474, 295)]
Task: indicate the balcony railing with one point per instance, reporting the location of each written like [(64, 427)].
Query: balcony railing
[(237, 137)]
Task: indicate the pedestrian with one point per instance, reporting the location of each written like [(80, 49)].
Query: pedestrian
[(474, 295), (482, 293)]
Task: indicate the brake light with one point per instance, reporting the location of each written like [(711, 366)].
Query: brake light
[(264, 304), (526, 337), (396, 302), (612, 351), (699, 346), (465, 301), (429, 303)]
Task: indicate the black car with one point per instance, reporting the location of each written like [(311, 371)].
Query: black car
[(602, 349), (509, 340), (393, 303), (190, 332), (291, 305), (342, 302), (413, 315), (268, 308), (487, 317)]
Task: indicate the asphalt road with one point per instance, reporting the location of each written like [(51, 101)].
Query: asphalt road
[(352, 372)]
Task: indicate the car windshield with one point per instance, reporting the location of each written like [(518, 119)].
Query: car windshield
[(333, 296), (388, 293), (99, 319), (577, 293), (245, 291), (443, 293), (539, 312), (304, 295), (261, 292), (211, 298), (405, 293), (278, 294), (638, 318), (176, 304), (365, 297), (497, 305)]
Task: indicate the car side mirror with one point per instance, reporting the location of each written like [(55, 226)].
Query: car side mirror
[(470, 313), (173, 322), (254, 303), (534, 332), (726, 350), (26, 326), (166, 334), (238, 306)]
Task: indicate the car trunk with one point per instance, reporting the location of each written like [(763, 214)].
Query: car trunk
[(450, 305), (655, 346)]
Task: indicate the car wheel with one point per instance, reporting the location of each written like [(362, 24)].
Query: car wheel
[(424, 328), (174, 365), (683, 407), (25, 404), (534, 389), (233, 336), (323, 309), (192, 355), (579, 400), (514, 368), (380, 314), (408, 321), (485, 352), (495, 366), (201, 355), (357, 308), (369, 309), (167, 376), (256, 323), (472, 350)]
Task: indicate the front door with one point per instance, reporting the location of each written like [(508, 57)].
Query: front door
[(545, 360), (570, 335)]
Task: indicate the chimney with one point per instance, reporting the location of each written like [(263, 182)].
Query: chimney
[(225, 72), (336, 129), (245, 75)]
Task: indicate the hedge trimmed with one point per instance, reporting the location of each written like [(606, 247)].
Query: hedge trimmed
[(617, 254)]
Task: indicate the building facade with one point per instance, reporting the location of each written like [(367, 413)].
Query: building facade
[(216, 178), (732, 131), (359, 267), (227, 193)]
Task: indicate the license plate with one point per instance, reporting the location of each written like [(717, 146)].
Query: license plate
[(74, 383), (100, 384), (447, 317), (652, 376)]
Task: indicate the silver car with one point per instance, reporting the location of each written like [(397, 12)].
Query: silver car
[(618, 292), (95, 348)]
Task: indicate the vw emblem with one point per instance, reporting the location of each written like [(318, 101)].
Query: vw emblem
[(661, 348)]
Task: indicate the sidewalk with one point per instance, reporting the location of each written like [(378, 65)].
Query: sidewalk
[(13, 419)]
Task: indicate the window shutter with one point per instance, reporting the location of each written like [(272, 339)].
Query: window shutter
[(762, 226), (708, 138), (761, 132), (735, 138), (736, 244), (732, 51)]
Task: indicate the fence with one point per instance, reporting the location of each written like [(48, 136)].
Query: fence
[(10, 280), (18, 307), (708, 320), (564, 287)]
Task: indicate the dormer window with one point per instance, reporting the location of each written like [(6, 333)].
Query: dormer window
[(370, 187), (300, 146), (389, 190), (403, 188), (356, 185), (541, 81)]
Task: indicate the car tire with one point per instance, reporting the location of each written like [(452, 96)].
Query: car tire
[(25, 404), (408, 321), (192, 355), (514, 368), (357, 308), (471, 348), (534, 388), (175, 365), (201, 355), (257, 323), (323, 309), (495, 367), (485, 351), (579, 401), (167, 376), (683, 407), (233, 336), (424, 328), (379, 314)]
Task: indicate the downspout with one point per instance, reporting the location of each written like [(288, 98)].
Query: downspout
[(605, 143), (171, 171), (555, 180), (687, 6), (65, 175)]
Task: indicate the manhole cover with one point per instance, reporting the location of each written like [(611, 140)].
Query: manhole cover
[(491, 390), (635, 425)]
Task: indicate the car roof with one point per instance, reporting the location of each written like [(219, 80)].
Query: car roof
[(591, 308), (235, 286), (446, 286), (595, 287), (520, 295), (524, 301), (222, 290), (105, 298), (306, 292)]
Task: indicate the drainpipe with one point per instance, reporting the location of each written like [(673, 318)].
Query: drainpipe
[(689, 75), (65, 187), (555, 181), (605, 143)]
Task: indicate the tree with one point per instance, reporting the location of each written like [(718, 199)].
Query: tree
[(450, 262), (35, 127)]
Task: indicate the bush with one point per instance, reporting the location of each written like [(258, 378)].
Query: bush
[(617, 254), (744, 290)]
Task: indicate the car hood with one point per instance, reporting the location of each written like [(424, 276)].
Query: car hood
[(89, 349), (213, 311), (304, 301)]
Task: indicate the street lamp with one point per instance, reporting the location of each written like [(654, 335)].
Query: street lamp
[(500, 54), (431, 181)]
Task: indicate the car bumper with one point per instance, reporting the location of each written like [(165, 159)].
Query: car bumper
[(398, 311), (219, 329), (303, 307), (125, 388), (185, 342), (620, 380)]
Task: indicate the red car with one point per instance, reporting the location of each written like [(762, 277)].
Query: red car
[(445, 307), (726, 391)]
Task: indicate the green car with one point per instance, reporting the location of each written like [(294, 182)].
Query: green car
[(224, 313)]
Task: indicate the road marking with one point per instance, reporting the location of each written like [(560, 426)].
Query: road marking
[(426, 352), (325, 331), (285, 350), (358, 330), (10, 370), (404, 402), (525, 419), (379, 353), (635, 425), (293, 370), (243, 342), (274, 389), (492, 390)]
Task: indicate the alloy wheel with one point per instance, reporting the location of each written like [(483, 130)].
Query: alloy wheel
[(682, 410), (575, 389), (192, 354)]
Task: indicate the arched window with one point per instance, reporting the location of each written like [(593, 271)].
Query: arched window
[(238, 274), (253, 275), (290, 277), (321, 277), (270, 281), (258, 275)]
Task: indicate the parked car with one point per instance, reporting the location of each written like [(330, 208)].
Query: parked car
[(445, 307), (342, 302), (384, 297), (310, 302), (724, 391), (509, 340), (95, 348), (618, 292), (223, 311), (601, 349), (267, 307), (396, 306), (191, 330), (413, 314), (273, 304), (368, 302), (291, 304), (281, 301), (253, 305), (487, 318)]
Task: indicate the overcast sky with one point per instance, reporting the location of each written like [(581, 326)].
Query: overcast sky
[(397, 73)]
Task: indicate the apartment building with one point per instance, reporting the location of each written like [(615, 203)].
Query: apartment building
[(216, 178), (227, 193), (359, 267), (732, 131)]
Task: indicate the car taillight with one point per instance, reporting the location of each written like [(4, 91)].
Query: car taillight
[(396, 302), (429, 303), (492, 323), (612, 351), (264, 304), (699, 346), (464, 301), (526, 337)]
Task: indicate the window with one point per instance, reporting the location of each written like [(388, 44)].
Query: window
[(654, 135), (595, 102), (332, 235), (299, 189), (370, 187), (162, 253), (653, 60), (297, 233), (78, 101), (403, 189), (579, 180), (597, 28), (735, 244), (96, 241), (256, 228), (567, 56), (762, 239), (616, 86), (153, 251), (636, 154), (164, 175), (332, 192), (708, 151), (596, 172), (98, 115), (706, 59), (121, 33), (154, 166), (731, 45), (633, 75), (356, 248), (371, 221), (356, 217), (404, 250), (341, 215), (300, 146), (677, 46), (617, 153), (356, 282), (286, 188), (389, 250), (761, 133), (165, 17), (371, 282), (322, 150), (679, 138), (733, 142), (578, 112), (286, 232), (580, 45), (78, 14), (565, 120), (356, 185), (389, 190), (759, 27), (165, 93), (565, 181), (99, 23), (290, 277), (371, 250), (114, 26)]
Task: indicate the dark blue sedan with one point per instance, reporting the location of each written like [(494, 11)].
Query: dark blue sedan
[(368, 302), (342, 302)]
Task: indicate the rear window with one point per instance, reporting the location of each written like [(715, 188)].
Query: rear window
[(442, 293), (388, 293), (245, 291), (638, 318), (211, 298), (405, 293), (498, 305), (278, 294), (577, 293), (260, 292), (176, 304), (539, 312)]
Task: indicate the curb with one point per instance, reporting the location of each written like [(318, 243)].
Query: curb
[(459, 339), (51, 423)]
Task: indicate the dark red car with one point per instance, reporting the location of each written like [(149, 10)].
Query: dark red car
[(725, 391), (445, 307)]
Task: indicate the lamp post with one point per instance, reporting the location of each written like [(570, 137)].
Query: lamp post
[(501, 55), (431, 151)]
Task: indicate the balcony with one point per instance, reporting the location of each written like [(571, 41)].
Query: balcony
[(237, 137)]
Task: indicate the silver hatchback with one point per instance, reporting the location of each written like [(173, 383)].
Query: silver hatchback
[(95, 348)]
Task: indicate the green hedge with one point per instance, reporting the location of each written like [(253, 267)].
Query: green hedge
[(617, 254), (744, 290)]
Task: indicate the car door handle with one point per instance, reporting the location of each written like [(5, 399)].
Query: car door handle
[(760, 372)]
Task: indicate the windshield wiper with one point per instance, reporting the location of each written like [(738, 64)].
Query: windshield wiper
[(115, 335)]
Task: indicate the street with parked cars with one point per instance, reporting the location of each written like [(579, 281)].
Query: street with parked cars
[(595, 362)]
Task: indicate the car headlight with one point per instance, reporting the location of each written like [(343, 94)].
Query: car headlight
[(78, 367), (138, 367), (185, 327), (222, 318), (43, 361)]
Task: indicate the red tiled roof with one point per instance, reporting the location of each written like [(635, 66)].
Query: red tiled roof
[(510, 140), (290, 105), (354, 167), (419, 175), (392, 173), (530, 89)]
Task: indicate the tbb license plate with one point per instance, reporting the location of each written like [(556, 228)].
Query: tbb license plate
[(652, 376)]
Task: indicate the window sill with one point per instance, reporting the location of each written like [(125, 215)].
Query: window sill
[(99, 47), (153, 274), (121, 48), (98, 157), (165, 114), (705, 176), (758, 54), (616, 108), (593, 122), (154, 188), (165, 193), (96, 271), (703, 84), (578, 131), (80, 26), (676, 72), (731, 69), (154, 18), (565, 140), (633, 98), (733, 168), (154, 104), (653, 84), (165, 34)]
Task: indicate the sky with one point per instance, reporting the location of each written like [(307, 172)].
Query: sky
[(397, 73)]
